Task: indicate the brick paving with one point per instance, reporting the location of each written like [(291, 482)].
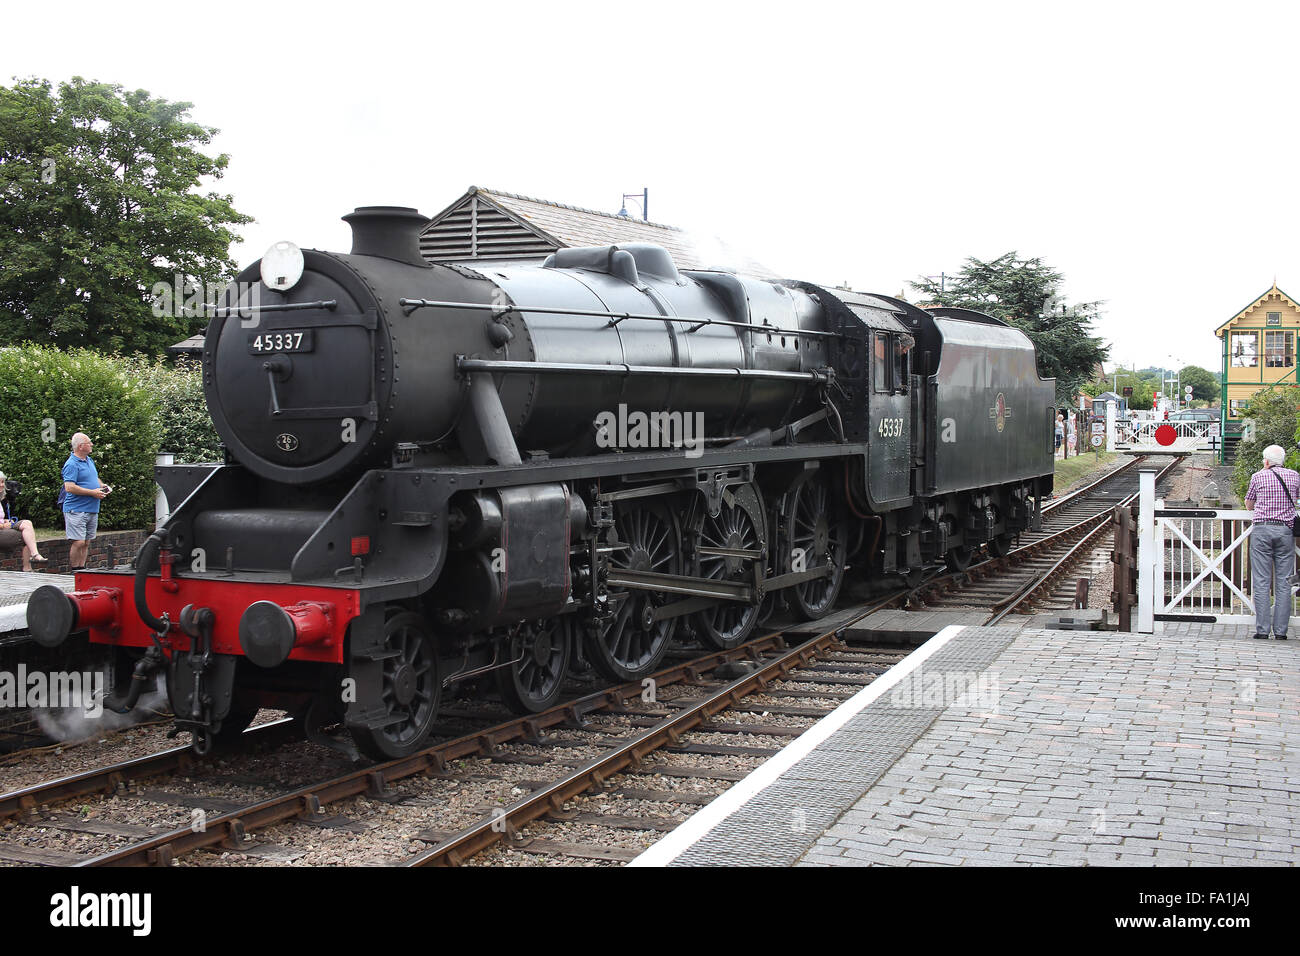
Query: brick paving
[(1076, 748), (1104, 749)]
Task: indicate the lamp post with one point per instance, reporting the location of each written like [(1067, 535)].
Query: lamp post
[(644, 196)]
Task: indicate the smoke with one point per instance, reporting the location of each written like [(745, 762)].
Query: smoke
[(713, 254), (73, 723)]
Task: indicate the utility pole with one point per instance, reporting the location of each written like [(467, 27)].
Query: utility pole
[(943, 281)]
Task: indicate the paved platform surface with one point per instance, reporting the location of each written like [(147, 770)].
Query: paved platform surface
[(16, 587), (1031, 746)]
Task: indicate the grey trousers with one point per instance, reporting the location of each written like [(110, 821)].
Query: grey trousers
[(1272, 561)]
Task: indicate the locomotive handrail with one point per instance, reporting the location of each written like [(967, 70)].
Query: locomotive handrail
[(468, 365), (410, 305), (327, 304)]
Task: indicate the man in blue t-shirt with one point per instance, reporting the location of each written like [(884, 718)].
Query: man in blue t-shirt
[(83, 493)]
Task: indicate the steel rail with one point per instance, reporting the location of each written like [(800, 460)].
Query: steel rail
[(107, 779), (551, 799), (1037, 583), (1022, 553), (1057, 503), (232, 827), (1048, 577)]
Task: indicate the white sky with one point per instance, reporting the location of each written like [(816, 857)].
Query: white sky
[(1146, 150)]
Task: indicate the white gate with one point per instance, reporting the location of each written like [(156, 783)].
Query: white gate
[(1140, 437), (1193, 564)]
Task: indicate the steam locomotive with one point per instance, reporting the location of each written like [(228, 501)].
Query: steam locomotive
[(436, 473)]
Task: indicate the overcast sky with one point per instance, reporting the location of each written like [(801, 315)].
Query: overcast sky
[(1148, 151)]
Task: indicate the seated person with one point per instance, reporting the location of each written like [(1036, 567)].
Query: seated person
[(15, 532)]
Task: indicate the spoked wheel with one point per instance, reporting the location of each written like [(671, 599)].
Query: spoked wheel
[(1000, 546), (727, 548), (630, 644), (959, 558), (818, 539), (539, 652), (410, 692)]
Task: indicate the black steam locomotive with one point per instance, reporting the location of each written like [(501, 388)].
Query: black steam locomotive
[(437, 472)]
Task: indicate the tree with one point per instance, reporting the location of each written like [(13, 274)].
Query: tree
[(101, 203), (1205, 384), (1024, 293), (1272, 420)]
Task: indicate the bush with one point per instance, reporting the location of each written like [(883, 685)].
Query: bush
[(48, 396), (1273, 413), (186, 427)]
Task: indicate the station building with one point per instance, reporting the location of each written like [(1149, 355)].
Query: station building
[(1259, 350), (486, 227)]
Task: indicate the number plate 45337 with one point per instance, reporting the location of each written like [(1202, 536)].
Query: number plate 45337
[(281, 340)]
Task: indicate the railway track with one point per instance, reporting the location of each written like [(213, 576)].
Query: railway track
[(677, 738), (1033, 574)]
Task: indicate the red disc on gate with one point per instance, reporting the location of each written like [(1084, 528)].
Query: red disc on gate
[(1166, 434)]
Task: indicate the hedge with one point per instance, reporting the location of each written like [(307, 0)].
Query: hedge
[(131, 409), (182, 411)]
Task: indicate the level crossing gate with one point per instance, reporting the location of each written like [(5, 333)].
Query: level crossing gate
[(1193, 563), (1173, 437)]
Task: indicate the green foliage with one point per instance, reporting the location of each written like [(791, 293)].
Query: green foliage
[(1272, 413), (1144, 393), (49, 395), (1143, 390), (101, 203), (185, 427), (1023, 293), (1205, 384)]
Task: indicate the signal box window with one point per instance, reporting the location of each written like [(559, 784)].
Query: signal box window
[(1244, 350), (1237, 407), (1279, 349), (880, 363)]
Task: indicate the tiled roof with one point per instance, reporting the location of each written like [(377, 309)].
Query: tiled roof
[(568, 226), (1272, 292), (192, 345)]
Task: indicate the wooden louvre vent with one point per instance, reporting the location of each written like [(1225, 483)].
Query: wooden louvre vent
[(476, 229)]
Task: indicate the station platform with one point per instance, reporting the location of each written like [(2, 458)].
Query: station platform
[(15, 588), (1017, 745)]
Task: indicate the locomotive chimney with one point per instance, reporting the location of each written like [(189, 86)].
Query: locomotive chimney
[(392, 232)]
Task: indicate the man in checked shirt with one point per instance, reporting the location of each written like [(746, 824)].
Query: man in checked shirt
[(1272, 495)]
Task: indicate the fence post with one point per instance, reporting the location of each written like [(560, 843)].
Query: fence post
[(1148, 586), (1123, 596)]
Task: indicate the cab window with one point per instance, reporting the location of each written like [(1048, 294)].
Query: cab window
[(880, 362), (901, 377)]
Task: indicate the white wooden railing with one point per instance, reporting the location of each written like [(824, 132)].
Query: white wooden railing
[(1188, 437), (1193, 564)]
